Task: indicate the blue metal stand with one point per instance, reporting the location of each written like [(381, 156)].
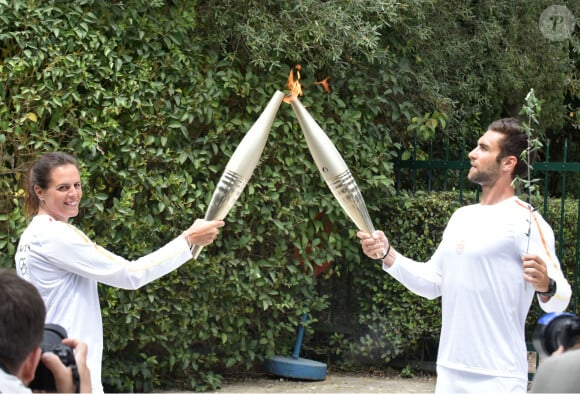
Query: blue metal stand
[(295, 367)]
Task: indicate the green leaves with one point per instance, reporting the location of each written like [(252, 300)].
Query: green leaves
[(154, 96), (426, 126), (531, 111)]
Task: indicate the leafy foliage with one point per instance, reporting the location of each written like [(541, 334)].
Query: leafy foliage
[(154, 96), (531, 110)]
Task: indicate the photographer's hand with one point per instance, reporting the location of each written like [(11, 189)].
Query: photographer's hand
[(63, 375)]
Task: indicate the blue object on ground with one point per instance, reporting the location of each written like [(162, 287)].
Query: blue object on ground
[(295, 367)]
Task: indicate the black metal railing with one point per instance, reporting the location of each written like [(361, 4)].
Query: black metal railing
[(433, 174)]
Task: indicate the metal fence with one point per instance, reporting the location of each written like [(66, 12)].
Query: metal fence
[(446, 174)]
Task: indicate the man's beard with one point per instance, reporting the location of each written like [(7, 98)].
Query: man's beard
[(481, 177)]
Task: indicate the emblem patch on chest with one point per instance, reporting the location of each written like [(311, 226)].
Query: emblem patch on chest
[(460, 247)]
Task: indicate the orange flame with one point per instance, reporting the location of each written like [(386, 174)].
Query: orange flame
[(295, 87), (294, 83), (324, 84)]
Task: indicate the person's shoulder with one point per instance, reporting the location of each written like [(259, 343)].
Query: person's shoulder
[(558, 374), (528, 210), (44, 227), (570, 358), (466, 208), (44, 220), (11, 384), (572, 355), (49, 221), (521, 204)]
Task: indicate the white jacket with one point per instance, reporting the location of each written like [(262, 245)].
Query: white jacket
[(65, 266)]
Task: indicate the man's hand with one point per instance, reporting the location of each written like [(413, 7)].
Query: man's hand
[(63, 375), (536, 272), (375, 245)]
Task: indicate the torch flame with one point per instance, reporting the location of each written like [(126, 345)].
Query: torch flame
[(324, 84), (295, 87), (293, 84)]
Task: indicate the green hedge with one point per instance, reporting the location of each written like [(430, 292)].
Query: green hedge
[(154, 96), (153, 118)]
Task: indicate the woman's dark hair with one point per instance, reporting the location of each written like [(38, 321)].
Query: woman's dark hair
[(39, 175), (515, 142)]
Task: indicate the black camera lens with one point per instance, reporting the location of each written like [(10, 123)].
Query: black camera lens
[(556, 329), (52, 338)]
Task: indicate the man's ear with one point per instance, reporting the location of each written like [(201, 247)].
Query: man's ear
[(509, 163), (28, 368)]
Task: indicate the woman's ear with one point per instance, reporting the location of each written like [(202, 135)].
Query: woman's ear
[(38, 191)]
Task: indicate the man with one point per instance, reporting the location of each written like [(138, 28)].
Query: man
[(493, 257), (22, 314)]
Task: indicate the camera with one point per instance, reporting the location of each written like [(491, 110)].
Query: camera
[(556, 329), (51, 342)]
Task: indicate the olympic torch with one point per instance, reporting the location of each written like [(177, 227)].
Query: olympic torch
[(241, 165), (333, 169)]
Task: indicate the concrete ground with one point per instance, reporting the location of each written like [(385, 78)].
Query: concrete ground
[(335, 382), (342, 382)]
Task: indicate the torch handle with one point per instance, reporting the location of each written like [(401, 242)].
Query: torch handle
[(196, 249), (225, 195), (370, 229)]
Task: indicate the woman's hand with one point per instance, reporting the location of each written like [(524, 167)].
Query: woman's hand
[(203, 232)]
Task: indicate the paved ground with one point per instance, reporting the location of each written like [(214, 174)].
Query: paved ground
[(341, 382), (336, 382)]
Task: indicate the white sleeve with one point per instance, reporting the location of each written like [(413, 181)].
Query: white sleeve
[(70, 249), (423, 279), (542, 244)]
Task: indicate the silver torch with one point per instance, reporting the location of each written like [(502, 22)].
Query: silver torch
[(241, 165), (333, 169)]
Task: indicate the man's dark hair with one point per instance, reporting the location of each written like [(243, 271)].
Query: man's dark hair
[(514, 143), (22, 315)]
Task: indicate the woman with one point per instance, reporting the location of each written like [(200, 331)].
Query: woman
[(65, 265)]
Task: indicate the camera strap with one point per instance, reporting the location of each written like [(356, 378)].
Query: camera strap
[(76, 378)]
